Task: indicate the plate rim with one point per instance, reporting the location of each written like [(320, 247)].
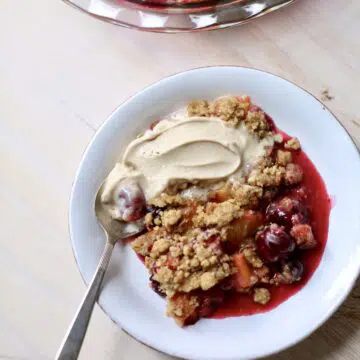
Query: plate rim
[(329, 312)]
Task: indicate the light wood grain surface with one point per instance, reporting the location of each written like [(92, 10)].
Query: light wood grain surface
[(61, 74)]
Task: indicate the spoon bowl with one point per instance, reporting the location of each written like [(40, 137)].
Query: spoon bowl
[(115, 229)]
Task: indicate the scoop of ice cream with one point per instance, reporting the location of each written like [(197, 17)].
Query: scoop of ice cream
[(195, 148)]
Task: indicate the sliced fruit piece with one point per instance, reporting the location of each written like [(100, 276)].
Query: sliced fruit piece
[(242, 277), (242, 228)]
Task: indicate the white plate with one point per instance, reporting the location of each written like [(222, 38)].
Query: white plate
[(126, 297)]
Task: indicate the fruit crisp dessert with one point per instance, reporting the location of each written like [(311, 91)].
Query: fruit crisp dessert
[(236, 214)]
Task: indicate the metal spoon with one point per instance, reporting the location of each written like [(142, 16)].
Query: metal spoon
[(114, 230)]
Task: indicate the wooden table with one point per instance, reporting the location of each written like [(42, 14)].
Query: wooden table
[(62, 73)]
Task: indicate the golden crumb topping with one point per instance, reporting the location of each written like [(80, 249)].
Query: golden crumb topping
[(293, 144), (262, 296), (252, 258), (171, 217), (248, 195), (198, 108), (283, 157), (184, 262), (269, 176), (165, 199), (217, 214), (229, 109), (257, 124)]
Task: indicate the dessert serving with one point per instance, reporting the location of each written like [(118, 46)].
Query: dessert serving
[(236, 214)]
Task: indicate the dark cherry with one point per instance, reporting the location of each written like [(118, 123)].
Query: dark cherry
[(287, 211), (156, 213), (274, 243), (155, 285), (131, 202)]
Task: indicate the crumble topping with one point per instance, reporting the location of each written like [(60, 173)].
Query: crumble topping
[(269, 176), (149, 219), (278, 138), (293, 144), (245, 195), (283, 157), (257, 124), (253, 258), (184, 262), (198, 108), (171, 217), (262, 296), (289, 274), (165, 199), (229, 109), (233, 110), (159, 247), (248, 195), (217, 214)]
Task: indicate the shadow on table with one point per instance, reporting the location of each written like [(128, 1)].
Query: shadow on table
[(335, 334)]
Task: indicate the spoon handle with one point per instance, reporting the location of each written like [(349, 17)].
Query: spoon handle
[(71, 345)]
